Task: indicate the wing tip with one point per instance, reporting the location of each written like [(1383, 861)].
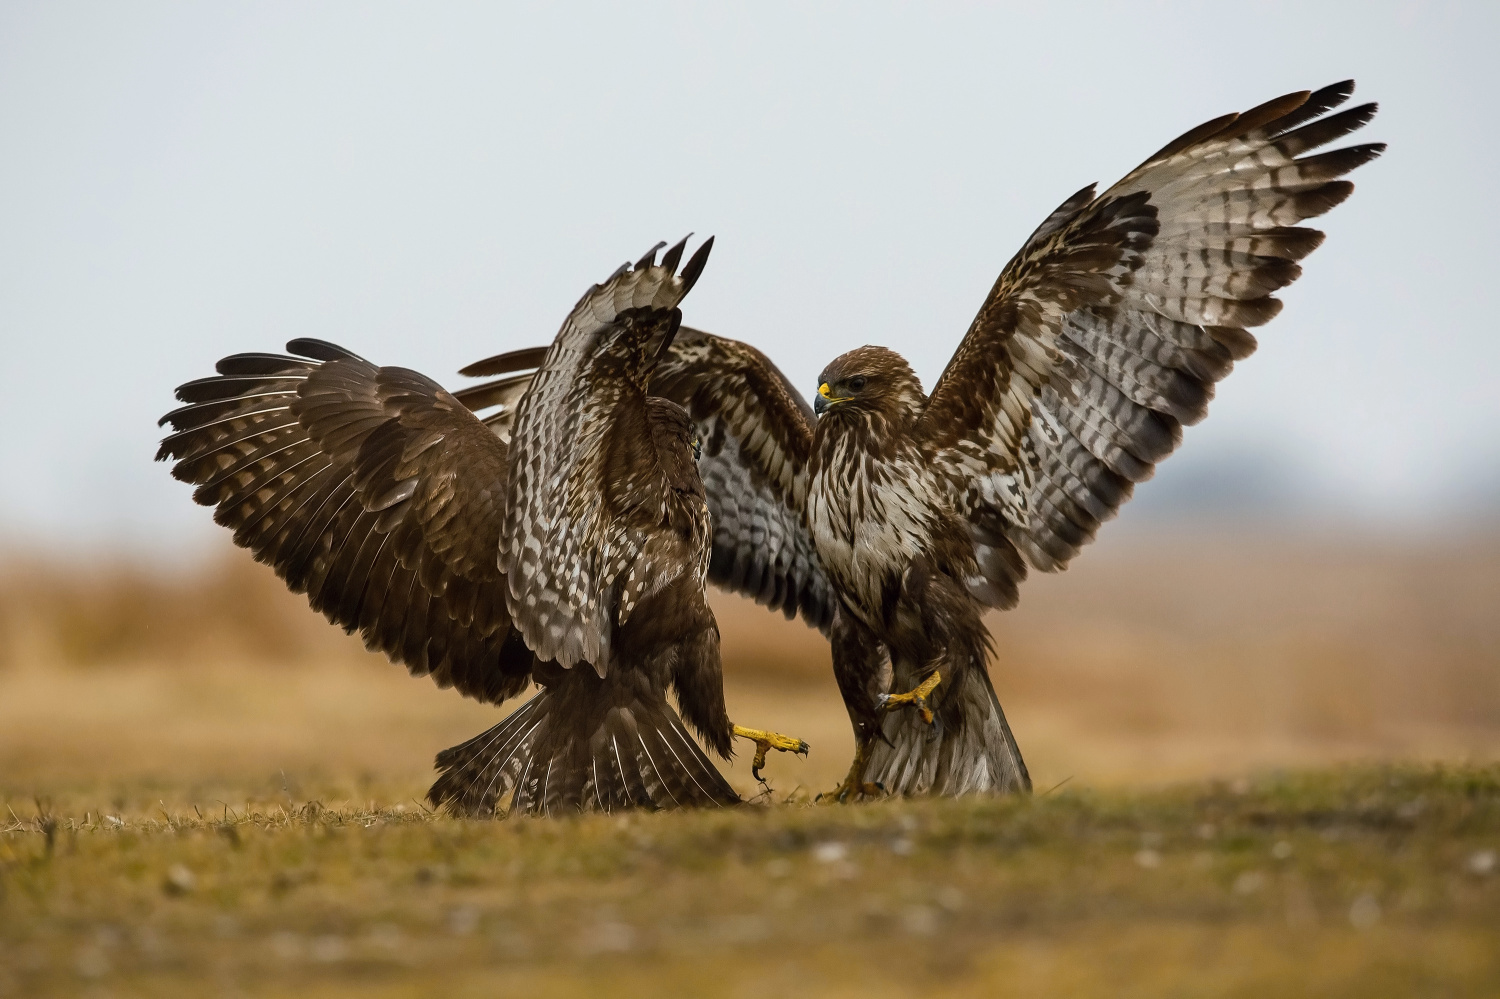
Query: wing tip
[(320, 350), (505, 363), (694, 267), (648, 259)]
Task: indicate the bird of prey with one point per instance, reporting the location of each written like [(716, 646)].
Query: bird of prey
[(894, 519), (563, 539)]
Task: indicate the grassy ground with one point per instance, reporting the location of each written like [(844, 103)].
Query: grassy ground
[(1358, 882), (163, 740)]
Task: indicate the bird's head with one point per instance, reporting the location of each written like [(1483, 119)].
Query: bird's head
[(872, 380)]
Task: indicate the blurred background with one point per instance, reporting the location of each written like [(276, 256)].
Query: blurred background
[(1311, 578)]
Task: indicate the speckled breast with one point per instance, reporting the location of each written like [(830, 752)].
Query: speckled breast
[(869, 515)]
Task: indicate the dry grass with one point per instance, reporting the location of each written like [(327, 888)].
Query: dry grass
[(1357, 883), (204, 711)]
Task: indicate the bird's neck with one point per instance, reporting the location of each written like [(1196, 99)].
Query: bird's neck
[(860, 430)]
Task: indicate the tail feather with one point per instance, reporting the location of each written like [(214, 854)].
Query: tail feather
[(695, 775), (552, 761), (977, 756), (637, 777), (475, 774)]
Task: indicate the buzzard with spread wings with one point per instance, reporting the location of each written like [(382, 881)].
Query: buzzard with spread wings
[(896, 518), (562, 539)]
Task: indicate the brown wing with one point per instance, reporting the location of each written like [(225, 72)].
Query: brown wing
[(756, 433), (369, 489), (1107, 332), (495, 402), (567, 545)]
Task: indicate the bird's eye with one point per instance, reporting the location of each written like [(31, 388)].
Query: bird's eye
[(857, 383)]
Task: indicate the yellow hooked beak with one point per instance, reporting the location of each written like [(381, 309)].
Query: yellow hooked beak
[(826, 398)]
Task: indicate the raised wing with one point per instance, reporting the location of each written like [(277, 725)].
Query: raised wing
[(369, 489), (1107, 331), (756, 432), (495, 402), (566, 549)]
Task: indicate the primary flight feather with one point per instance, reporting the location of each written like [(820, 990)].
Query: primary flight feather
[(893, 518), (562, 539)]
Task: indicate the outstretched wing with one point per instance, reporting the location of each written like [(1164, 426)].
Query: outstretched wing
[(369, 489), (1107, 331), (566, 547), (756, 432), (495, 402)]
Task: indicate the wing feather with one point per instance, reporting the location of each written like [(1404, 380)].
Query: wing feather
[(756, 433), (329, 468), (571, 540), (1106, 333)]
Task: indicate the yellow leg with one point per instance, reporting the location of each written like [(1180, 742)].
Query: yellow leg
[(917, 697), (854, 786), (766, 741)]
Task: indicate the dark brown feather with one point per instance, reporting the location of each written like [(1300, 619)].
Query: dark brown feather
[(306, 459)]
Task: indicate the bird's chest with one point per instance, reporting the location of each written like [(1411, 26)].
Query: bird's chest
[(869, 516)]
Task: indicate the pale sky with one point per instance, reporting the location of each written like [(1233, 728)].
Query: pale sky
[(429, 184)]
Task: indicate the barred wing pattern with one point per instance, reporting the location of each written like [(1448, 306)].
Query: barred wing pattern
[(757, 436), (566, 555), (371, 490), (1107, 332)]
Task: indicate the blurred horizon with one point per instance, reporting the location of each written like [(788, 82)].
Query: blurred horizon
[(431, 186), (1184, 654)]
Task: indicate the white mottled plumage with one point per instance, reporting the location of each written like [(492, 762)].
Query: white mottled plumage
[(387, 500), (565, 557), (1101, 338), (869, 515)]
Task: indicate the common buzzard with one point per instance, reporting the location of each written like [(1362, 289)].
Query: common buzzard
[(896, 518), (568, 527)]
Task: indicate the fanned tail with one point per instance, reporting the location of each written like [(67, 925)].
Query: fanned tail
[(570, 750), (979, 756)]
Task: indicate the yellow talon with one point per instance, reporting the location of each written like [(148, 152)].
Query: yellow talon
[(854, 785), (916, 697), (766, 741)]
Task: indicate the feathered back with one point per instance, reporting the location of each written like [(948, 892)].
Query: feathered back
[(565, 551)]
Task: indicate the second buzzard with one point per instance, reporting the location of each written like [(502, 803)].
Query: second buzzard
[(568, 526), (897, 518)]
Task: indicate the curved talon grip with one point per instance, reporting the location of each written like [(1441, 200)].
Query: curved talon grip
[(916, 698), (766, 741)]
